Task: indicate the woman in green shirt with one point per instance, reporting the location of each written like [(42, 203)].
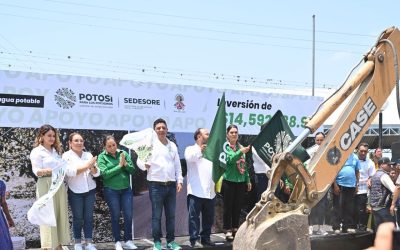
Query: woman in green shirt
[(116, 167), (235, 181)]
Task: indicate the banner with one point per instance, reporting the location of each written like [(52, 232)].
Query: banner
[(274, 138), (79, 102)]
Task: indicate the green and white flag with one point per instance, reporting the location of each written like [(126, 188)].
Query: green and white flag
[(141, 142), (274, 138), (216, 142), (42, 210)]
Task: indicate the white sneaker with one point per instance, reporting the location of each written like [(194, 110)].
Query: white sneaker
[(337, 231), (118, 246), (351, 230), (78, 246), (321, 232), (90, 246), (130, 245), (310, 230)]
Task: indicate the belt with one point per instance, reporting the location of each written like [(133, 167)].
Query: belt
[(44, 176), (163, 183)]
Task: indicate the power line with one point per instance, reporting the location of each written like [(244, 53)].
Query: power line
[(180, 26), (176, 35), (164, 74), (202, 19)]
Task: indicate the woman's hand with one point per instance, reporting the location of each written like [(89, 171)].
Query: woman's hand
[(245, 149), (92, 162), (45, 172), (122, 160), (10, 222), (248, 187)]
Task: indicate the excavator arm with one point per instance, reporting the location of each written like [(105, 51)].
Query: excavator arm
[(272, 224)]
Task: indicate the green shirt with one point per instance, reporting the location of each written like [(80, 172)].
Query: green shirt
[(232, 172), (115, 176)]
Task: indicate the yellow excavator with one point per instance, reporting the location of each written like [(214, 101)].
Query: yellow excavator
[(272, 224)]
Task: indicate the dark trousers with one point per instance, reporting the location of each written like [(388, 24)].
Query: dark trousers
[(162, 196), (205, 207), (382, 215), (317, 215), (234, 193), (261, 181), (360, 213), (343, 209)]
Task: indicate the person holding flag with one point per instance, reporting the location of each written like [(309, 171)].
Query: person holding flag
[(227, 157), (235, 181), (164, 176), (46, 161)]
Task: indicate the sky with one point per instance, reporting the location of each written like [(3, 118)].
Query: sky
[(224, 44)]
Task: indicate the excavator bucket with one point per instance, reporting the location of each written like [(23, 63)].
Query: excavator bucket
[(270, 225), (285, 231)]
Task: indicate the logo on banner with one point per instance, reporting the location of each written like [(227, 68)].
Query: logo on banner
[(179, 105), (65, 98), (140, 103)]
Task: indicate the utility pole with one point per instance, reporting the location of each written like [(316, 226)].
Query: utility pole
[(313, 56)]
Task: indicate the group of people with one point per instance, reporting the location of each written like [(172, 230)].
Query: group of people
[(364, 194), (354, 182), (363, 188), (164, 177)]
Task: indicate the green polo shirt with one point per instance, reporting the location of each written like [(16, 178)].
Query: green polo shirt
[(115, 176)]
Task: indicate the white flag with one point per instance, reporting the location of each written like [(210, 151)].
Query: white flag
[(141, 142), (42, 210)]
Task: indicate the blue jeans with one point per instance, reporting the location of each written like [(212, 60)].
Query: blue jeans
[(117, 200), (162, 196), (205, 207), (82, 206)]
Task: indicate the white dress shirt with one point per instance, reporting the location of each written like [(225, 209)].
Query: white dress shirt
[(260, 167), (199, 173), (367, 170), (165, 164), (42, 158), (82, 182)]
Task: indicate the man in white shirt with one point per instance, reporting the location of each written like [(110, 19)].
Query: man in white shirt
[(200, 189), (164, 176), (260, 170), (367, 170)]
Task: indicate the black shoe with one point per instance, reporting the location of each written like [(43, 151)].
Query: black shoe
[(208, 243)]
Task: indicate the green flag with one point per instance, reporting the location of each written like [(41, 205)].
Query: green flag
[(276, 137), (215, 145)]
